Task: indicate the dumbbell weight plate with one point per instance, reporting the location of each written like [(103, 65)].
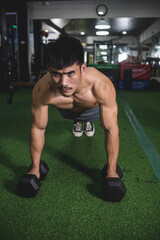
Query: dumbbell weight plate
[(113, 189), (43, 170), (28, 185)]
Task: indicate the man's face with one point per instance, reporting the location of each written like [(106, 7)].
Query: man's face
[(68, 79)]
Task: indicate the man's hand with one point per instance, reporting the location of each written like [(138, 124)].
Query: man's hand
[(34, 170), (112, 175), (111, 172)]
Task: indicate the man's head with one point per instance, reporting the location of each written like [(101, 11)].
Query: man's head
[(65, 62), (64, 52)]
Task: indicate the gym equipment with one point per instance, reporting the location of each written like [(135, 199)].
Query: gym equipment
[(113, 189), (43, 170), (118, 170), (29, 184)]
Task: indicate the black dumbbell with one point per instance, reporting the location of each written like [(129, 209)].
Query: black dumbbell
[(118, 170), (113, 189), (43, 170), (29, 184)]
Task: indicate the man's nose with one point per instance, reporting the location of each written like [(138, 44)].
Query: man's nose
[(64, 80)]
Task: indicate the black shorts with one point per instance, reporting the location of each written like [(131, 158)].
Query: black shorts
[(89, 115)]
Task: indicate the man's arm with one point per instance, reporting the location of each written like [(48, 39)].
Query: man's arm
[(37, 139), (111, 131), (108, 114)]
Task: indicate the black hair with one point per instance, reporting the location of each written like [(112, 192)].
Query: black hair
[(64, 52)]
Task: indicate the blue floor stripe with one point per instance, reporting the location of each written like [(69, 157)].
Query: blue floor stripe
[(149, 149)]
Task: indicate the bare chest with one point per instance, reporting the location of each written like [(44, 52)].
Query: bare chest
[(77, 103)]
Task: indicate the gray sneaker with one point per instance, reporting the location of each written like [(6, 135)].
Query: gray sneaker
[(78, 128), (89, 129)]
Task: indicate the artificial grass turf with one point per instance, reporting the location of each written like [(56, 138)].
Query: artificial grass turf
[(145, 105), (69, 205)]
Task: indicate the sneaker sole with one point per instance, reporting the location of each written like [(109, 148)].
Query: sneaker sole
[(77, 134), (90, 134)]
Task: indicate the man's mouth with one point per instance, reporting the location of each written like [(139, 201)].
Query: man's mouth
[(65, 89)]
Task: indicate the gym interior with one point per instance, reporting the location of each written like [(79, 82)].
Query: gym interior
[(122, 40)]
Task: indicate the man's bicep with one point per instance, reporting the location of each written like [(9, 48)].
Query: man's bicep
[(108, 106), (108, 116), (39, 116)]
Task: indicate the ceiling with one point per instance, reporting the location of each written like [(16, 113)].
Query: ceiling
[(75, 16), (133, 26)]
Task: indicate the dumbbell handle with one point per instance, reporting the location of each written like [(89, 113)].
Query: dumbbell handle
[(118, 170), (43, 169)]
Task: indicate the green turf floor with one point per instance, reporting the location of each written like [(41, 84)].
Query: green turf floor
[(145, 105), (69, 205)]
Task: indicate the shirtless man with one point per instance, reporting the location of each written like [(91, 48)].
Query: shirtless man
[(78, 92)]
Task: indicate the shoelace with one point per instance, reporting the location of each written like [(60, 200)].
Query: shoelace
[(78, 126), (89, 126)]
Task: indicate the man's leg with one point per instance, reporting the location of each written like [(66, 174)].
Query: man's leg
[(83, 126), (89, 128), (87, 117), (78, 128)]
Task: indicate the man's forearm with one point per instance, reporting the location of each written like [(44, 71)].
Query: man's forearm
[(112, 148), (36, 145)]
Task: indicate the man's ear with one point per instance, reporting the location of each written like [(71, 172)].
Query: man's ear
[(83, 68)]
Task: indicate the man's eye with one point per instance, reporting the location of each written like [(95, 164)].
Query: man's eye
[(71, 73), (56, 74)]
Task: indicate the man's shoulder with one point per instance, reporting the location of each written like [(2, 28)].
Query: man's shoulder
[(43, 83), (43, 80), (102, 85), (96, 75), (91, 70), (41, 90)]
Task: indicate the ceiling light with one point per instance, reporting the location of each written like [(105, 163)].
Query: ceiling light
[(124, 32), (103, 47), (102, 26), (82, 33), (103, 53), (102, 33), (157, 46)]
